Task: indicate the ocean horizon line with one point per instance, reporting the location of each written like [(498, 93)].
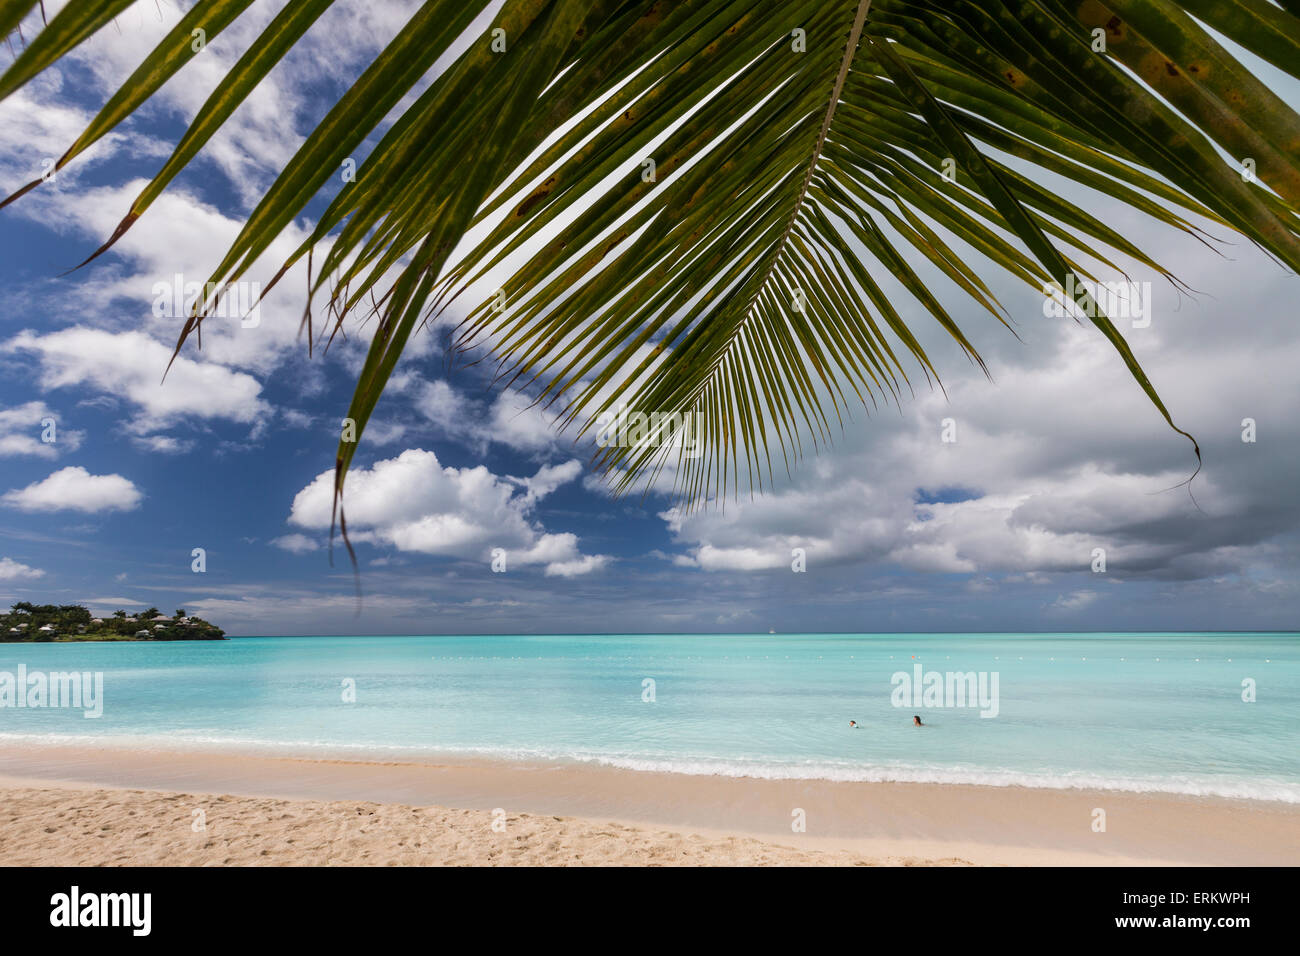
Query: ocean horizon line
[(1040, 633)]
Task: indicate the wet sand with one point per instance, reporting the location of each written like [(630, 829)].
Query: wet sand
[(72, 805)]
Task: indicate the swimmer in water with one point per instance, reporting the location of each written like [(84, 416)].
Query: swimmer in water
[(853, 724), (916, 721)]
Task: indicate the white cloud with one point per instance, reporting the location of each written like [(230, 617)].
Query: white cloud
[(296, 419), (516, 422), (183, 233), (583, 565), (23, 431), (131, 365), (711, 558), (75, 489), (384, 433), (414, 503), (11, 570), (296, 543), (40, 123), (162, 444), (445, 407), (510, 418), (550, 477), (1062, 456), (1074, 601)]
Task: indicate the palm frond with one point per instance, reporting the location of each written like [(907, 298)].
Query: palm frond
[(809, 159)]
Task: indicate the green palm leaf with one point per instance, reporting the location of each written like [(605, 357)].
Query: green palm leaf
[(808, 159)]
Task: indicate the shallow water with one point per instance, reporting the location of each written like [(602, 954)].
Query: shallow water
[(1161, 712)]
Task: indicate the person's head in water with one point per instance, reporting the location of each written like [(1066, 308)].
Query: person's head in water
[(916, 721), (853, 723)]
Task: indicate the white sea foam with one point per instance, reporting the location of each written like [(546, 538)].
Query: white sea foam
[(842, 772), (1205, 786)]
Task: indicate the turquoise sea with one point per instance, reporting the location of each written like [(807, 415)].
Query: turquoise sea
[(1159, 712)]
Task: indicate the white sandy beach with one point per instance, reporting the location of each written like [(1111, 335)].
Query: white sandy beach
[(84, 827), (74, 806)]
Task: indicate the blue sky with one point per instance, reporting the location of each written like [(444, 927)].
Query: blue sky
[(1058, 456)]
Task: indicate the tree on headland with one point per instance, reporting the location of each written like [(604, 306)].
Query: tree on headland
[(720, 208), (47, 622)]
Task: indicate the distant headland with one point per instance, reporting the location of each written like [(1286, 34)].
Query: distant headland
[(28, 622)]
